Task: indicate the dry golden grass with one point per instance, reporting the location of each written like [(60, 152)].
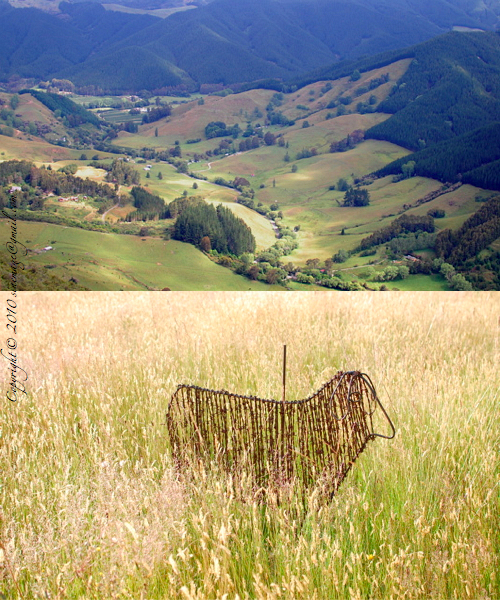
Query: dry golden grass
[(90, 504)]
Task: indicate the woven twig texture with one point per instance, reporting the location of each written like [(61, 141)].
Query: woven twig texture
[(314, 439)]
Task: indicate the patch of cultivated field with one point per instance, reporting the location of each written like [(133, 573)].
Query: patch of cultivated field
[(93, 506), (118, 116), (104, 261), (93, 173), (39, 151), (188, 121)]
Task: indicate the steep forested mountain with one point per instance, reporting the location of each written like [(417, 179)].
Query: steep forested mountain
[(447, 108), (451, 88), (40, 45), (224, 41)]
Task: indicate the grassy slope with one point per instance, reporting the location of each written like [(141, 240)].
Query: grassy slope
[(188, 121), (31, 109), (37, 151), (304, 196), (91, 506), (113, 262), (312, 97)]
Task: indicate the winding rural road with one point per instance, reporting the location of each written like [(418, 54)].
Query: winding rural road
[(209, 167), (104, 214)]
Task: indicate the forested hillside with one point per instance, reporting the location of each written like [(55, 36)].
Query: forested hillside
[(223, 42), (446, 107), (471, 158), (452, 87), (40, 45)]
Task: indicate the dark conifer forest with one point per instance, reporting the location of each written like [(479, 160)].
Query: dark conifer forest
[(227, 233)]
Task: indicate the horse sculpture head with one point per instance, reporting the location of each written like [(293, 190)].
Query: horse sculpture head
[(314, 439)]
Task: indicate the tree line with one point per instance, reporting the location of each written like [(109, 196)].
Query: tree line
[(225, 232), (402, 225), (476, 234), (471, 158)]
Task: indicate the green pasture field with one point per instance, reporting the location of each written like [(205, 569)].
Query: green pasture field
[(106, 261), (173, 184), (431, 283), (137, 141), (104, 101), (305, 199), (458, 206), (12, 148), (321, 132)]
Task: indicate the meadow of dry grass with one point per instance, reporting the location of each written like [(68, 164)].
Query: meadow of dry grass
[(92, 508)]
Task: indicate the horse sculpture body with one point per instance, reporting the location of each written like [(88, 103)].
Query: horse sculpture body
[(315, 439)]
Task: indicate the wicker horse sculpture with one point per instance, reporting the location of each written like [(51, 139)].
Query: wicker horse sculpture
[(314, 439)]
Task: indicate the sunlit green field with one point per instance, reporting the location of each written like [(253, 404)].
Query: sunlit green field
[(17, 149), (108, 261), (304, 196), (93, 508), (306, 200)]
